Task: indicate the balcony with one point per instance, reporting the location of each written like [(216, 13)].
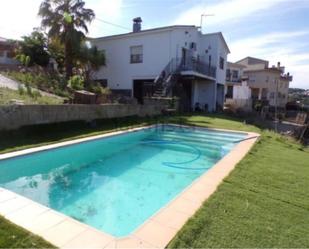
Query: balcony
[(231, 79), (198, 66)]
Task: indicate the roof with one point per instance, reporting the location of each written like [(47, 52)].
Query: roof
[(2, 39), (144, 31), (269, 69), (254, 58), (222, 38), (233, 64)]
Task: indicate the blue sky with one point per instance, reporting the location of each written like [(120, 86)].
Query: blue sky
[(276, 30)]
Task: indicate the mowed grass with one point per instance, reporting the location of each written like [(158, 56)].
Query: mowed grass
[(12, 236), (263, 203)]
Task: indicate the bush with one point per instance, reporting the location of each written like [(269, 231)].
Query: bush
[(76, 82), (21, 90), (53, 83), (36, 94), (29, 89)]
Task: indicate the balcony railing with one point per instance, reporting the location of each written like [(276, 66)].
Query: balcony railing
[(191, 64), (233, 79)]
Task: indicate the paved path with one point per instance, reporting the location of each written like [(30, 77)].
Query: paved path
[(6, 82), (12, 84)]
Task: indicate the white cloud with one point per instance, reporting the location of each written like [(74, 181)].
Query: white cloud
[(278, 46), (228, 10)]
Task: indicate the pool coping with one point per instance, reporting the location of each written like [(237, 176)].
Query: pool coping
[(156, 232)]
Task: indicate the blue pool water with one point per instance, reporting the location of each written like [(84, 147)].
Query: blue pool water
[(115, 184)]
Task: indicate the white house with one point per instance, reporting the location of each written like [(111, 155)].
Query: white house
[(237, 91), (173, 60)]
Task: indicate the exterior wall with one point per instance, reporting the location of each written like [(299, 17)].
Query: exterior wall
[(272, 83), (216, 48), (158, 49), (242, 91), (253, 63), (14, 117), (203, 93)]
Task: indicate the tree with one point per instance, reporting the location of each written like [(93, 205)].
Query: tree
[(66, 19), (90, 59), (34, 47), (56, 51)]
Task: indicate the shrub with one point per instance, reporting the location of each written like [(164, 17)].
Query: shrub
[(76, 82), (36, 94), (21, 90), (29, 89)]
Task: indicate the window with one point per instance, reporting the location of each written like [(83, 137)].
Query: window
[(229, 92), (221, 65), (136, 54), (235, 74), (272, 95), (228, 74), (193, 46)]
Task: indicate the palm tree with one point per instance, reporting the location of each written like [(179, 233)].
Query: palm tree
[(66, 19)]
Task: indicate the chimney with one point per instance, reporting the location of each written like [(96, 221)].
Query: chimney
[(137, 24), (278, 65)]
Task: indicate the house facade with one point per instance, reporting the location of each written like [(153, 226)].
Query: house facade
[(168, 61), (270, 84), (237, 91)]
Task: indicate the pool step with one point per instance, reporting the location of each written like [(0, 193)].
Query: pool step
[(209, 141), (206, 137), (195, 144), (211, 153), (207, 132)]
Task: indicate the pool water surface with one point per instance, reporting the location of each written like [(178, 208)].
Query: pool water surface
[(116, 183)]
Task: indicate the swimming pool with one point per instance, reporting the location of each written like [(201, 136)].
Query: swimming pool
[(116, 183)]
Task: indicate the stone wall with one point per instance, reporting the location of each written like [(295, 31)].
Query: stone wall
[(16, 116), (244, 104)]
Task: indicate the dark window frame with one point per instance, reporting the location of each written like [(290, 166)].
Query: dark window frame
[(136, 58), (221, 63)]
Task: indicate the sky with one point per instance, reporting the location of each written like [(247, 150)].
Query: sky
[(275, 30)]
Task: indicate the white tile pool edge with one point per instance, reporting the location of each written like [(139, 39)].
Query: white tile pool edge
[(157, 231)]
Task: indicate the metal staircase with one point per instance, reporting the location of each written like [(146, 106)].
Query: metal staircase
[(167, 79)]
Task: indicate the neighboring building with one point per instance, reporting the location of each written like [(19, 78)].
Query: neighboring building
[(174, 60), (269, 84), (237, 91), (7, 52)]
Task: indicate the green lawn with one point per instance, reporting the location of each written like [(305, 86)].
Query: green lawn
[(6, 95), (263, 203), (12, 236)]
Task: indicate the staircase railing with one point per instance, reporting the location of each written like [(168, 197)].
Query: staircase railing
[(165, 80), (168, 76)]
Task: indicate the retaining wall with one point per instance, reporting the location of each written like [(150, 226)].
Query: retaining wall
[(16, 116)]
